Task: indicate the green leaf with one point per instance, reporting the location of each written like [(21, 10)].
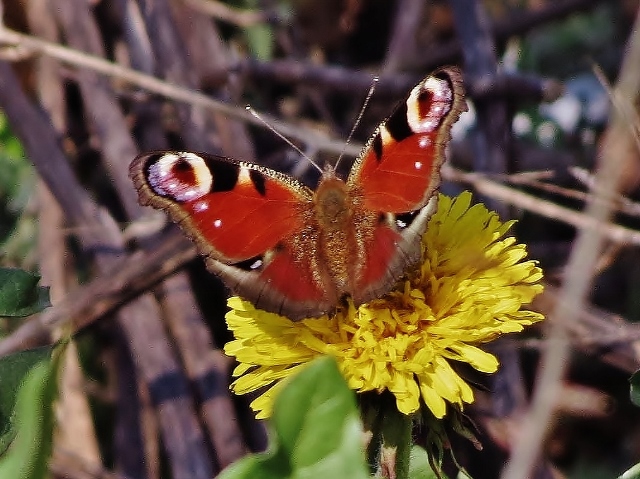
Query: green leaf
[(634, 390), (633, 473), (20, 294), (13, 370), (317, 431), (396, 440), (260, 41), (419, 467), (259, 37), (28, 390)]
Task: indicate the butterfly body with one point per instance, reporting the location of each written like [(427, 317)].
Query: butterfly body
[(299, 252)]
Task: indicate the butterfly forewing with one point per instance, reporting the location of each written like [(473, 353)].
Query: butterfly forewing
[(399, 169), (233, 210)]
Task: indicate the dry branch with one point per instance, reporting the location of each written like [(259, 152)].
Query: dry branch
[(101, 234), (579, 275)]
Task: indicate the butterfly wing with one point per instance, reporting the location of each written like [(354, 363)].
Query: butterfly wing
[(399, 172), (243, 213), (399, 169)]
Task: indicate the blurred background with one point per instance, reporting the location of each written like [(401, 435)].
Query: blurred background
[(145, 391)]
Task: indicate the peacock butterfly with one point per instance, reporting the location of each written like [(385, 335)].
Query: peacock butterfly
[(298, 252)]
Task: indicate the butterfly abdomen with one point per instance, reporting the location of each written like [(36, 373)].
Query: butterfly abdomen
[(346, 229)]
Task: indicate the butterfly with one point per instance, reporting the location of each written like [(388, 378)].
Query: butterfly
[(298, 252)]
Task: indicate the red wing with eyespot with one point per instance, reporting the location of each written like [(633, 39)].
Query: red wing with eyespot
[(399, 169), (398, 172), (236, 212)]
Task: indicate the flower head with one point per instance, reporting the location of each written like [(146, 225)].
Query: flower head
[(468, 289)]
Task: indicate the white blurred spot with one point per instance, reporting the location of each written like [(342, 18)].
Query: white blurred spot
[(566, 111), (522, 124), (546, 133), (256, 264)]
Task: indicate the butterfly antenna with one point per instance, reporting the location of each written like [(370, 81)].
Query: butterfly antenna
[(372, 88), (280, 135)]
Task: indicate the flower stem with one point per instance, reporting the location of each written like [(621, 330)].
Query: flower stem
[(396, 443)]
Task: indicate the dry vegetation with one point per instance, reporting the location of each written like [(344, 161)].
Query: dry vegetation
[(88, 85)]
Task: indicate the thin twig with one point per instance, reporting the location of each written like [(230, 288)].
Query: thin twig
[(617, 202), (624, 204), (236, 16), (129, 277), (548, 209), (167, 90)]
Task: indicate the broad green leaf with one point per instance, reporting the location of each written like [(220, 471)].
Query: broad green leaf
[(316, 431), (13, 370), (634, 390), (419, 467), (27, 421), (20, 294)]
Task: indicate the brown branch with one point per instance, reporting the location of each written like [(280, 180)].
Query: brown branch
[(595, 332), (514, 25), (210, 59), (156, 361), (129, 277), (117, 145), (236, 16), (174, 63), (168, 90), (70, 465), (494, 122), (493, 189), (579, 275), (206, 366), (402, 44)]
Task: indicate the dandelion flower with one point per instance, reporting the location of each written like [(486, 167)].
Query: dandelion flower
[(468, 289)]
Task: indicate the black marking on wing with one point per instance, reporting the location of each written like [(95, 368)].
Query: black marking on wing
[(443, 75), (225, 175), (404, 220), (258, 181), (182, 165), (376, 145), (251, 264), (397, 124), (150, 160)]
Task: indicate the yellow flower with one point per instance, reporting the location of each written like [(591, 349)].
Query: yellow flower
[(468, 290)]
